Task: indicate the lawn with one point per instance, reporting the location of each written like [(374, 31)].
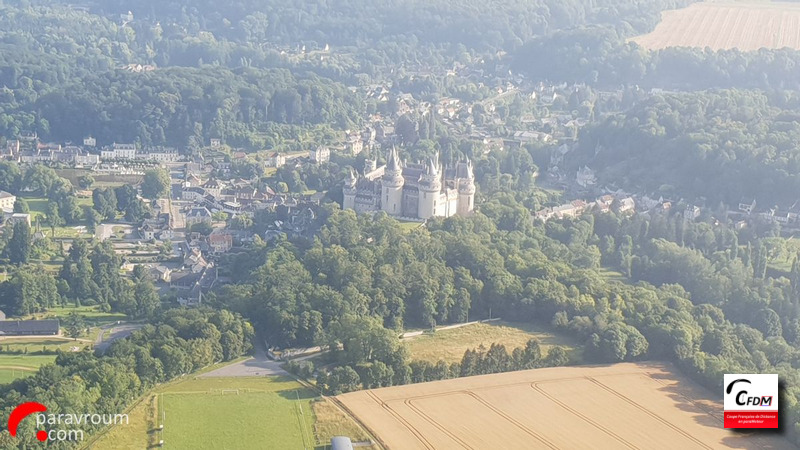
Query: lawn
[(36, 344), (230, 413), (38, 209), (9, 375), (24, 361), (91, 314), (450, 345), (245, 420)]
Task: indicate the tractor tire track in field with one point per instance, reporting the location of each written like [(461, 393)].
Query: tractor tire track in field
[(586, 419), (516, 423), (417, 434), (649, 413), (408, 402)]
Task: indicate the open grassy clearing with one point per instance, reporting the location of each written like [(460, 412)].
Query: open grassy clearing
[(450, 345), (9, 375), (24, 361), (91, 314), (646, 405), (49, 343), (746, 25), (230, 412)]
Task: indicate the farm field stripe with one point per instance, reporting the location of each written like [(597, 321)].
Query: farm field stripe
[(400, 419)]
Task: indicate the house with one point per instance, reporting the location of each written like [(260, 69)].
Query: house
[(89, 142), (119, 151), (160, 154), (275, 159), (586, 177), (747, 205), (7, 201), (17, 217), (626, 205), (216, 143), (220, 241), (29, 327), (199, 214), (193, 194), (213, 187), (320, 155)]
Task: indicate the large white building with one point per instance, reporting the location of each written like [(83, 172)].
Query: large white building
[(119, 151), (413, 190)]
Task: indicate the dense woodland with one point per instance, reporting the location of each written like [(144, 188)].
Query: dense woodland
[(717, 146)]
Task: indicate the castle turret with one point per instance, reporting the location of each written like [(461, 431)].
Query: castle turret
[(349, 191), (466, 193), (430, 186), (392, 185)]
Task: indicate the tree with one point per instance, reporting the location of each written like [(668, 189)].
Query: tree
[(85, 181), (156, 184), (105, 202), (54, 217), (74, 325), (145, 298), (203, 228), (19, 246), (21, 206)]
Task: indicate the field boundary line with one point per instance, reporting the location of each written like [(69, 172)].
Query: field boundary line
[(346, 411), (582, 416), (649, 413)]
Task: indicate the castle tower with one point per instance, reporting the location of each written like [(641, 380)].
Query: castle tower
[(349, 191), (430, 187), (392, 185), (466, 193)]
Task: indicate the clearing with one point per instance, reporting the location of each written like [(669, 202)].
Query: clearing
[(724, 25), (643, 405), (450, 345)]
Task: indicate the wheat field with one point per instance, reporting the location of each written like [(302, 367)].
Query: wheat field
[(644, 406), (746, 26)]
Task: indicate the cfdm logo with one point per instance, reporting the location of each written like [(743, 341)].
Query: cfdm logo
[(751, 400)]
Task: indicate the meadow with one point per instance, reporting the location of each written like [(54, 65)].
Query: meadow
[(450, 345)]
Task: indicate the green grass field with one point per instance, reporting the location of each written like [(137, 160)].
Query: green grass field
[(230, 413), (9, 375), (450, 345), (244, 420), (36, 344), (38, 209), (24, 361), (91, 314)]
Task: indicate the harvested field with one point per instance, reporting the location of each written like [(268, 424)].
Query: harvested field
[(725, 25), (646, 405)]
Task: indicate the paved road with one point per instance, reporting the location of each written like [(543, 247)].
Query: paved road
[(117, 331), (257, 366)]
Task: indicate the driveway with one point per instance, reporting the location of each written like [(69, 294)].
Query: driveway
[(116, 331), (257, 366)]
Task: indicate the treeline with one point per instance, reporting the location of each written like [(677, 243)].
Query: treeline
[(712, 146), (601, 56), (695, 295), (90, 275), (181, 342)]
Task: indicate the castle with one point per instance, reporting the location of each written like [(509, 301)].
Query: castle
[(412, 190)]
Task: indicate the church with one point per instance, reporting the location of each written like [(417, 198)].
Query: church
[(412, 190)]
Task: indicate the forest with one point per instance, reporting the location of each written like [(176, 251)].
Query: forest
[(709, 147)]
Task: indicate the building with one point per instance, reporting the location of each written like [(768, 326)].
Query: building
[(89, 142), (747, 205), (119, 151), (12, 217), (216, 143), (7, 201), (275, 159), (29, 327), (198, 215), (413, 190), (220, 241), (320, 155), (160, 154)]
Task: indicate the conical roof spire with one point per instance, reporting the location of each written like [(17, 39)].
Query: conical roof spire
[(394, 162)]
